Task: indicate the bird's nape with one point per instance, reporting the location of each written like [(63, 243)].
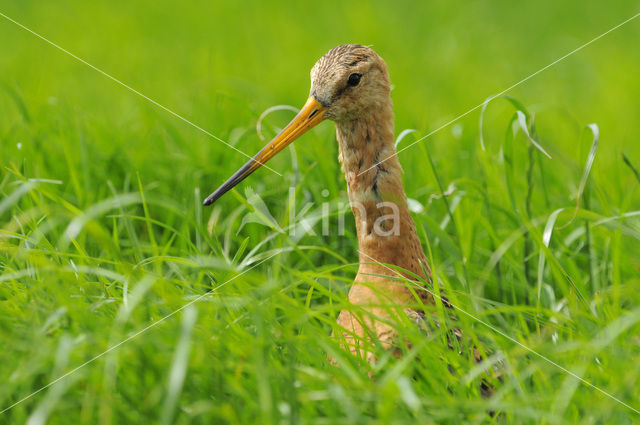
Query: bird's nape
[(311, 114)]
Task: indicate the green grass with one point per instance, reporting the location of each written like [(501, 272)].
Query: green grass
[(102, 233)]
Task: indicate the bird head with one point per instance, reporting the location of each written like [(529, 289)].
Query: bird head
[(348, 82)]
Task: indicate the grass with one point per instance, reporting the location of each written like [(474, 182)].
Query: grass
[(102, 233)]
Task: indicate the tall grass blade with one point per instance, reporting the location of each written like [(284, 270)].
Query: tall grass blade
[(179, 365), (587, 169)]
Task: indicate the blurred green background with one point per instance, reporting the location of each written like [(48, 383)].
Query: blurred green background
[(119, 239)]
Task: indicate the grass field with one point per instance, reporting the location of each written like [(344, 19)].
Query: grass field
[(102, 232)]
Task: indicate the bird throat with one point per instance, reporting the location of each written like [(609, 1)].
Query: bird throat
[(386, 231)]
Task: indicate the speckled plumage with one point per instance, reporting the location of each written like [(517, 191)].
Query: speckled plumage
[(363, 116)]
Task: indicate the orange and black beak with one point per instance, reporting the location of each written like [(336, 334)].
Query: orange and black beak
[(311, 114)]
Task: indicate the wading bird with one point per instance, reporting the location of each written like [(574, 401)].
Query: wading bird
[(350, 86)]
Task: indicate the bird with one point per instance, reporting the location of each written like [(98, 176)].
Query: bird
[(350, 86)]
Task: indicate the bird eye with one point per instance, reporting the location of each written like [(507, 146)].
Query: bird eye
[(354, 79)]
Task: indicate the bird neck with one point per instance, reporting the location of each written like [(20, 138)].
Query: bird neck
[(386, 231)]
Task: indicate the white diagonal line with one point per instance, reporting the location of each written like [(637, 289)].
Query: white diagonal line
[(175, 114), (498, 331), (505, 91), (113, 347)]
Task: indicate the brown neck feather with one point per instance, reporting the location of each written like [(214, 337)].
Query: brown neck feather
[(386, 231)]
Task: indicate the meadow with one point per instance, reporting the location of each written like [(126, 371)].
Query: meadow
[(165, 311)]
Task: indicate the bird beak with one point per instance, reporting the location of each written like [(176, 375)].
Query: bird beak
[(311, 114)]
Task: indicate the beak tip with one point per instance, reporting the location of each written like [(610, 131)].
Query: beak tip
[(208, 201)]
